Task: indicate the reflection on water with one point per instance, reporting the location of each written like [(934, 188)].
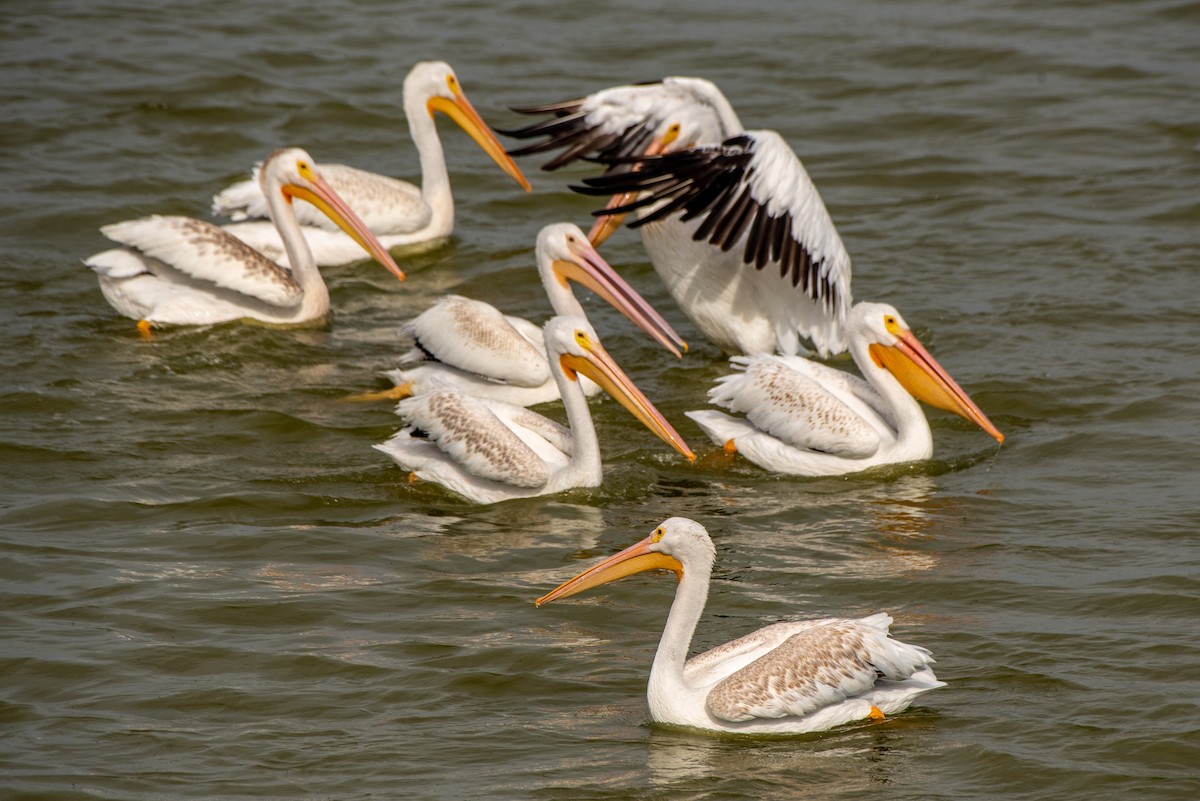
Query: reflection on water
[(294, 578), (860, 531), (210, 579), (849, 762), (499, 532)]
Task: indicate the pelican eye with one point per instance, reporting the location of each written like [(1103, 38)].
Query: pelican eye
[(658, 534), (452, 82), (305, 169), (582, 338)]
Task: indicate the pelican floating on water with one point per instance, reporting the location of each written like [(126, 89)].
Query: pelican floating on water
[(179, 270), (471, 345), (805, 418), (489, 451), (396, 211), (787, 678), (753, 258)]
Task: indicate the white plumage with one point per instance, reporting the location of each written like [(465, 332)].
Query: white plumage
[(179, 270), (399, 213), (625, 121), (787, 678), (472, 345), (730, 218), (742, 239), (805, 418), (489, 451)]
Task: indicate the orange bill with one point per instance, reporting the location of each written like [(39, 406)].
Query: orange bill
[(600, 367), (330, 203), (462, 112), (605, 225), (920, 374), (637, 558), (593, 272)]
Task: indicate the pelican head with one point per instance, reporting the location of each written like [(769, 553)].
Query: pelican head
[(684, 126), (573, 341), (565, 254), (893, 347), (675, 544), (291, 173), (435, 83)]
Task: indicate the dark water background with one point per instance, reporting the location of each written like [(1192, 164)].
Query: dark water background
[(211, 586)]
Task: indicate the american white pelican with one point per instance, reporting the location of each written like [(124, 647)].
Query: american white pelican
[(489, 451), (396, 211), (475, 347), (805, 418), (179, 270), (754, 261), (787, 678)]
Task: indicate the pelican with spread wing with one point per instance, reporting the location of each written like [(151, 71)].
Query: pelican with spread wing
[(731, 221)]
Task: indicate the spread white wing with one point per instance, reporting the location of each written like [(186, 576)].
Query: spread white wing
[(750, 195), (621, 121)]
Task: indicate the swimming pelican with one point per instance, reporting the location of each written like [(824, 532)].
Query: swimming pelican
[(787, 678), (396, 211), (179, 270), (490, 451), (755, 261), (804, 418), (475, 347)]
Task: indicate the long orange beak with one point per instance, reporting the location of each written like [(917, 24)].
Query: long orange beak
[(926, 380), (462, 112), (321, 194), (605, 225), (637, 558), (591, 270), (600, 367)]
